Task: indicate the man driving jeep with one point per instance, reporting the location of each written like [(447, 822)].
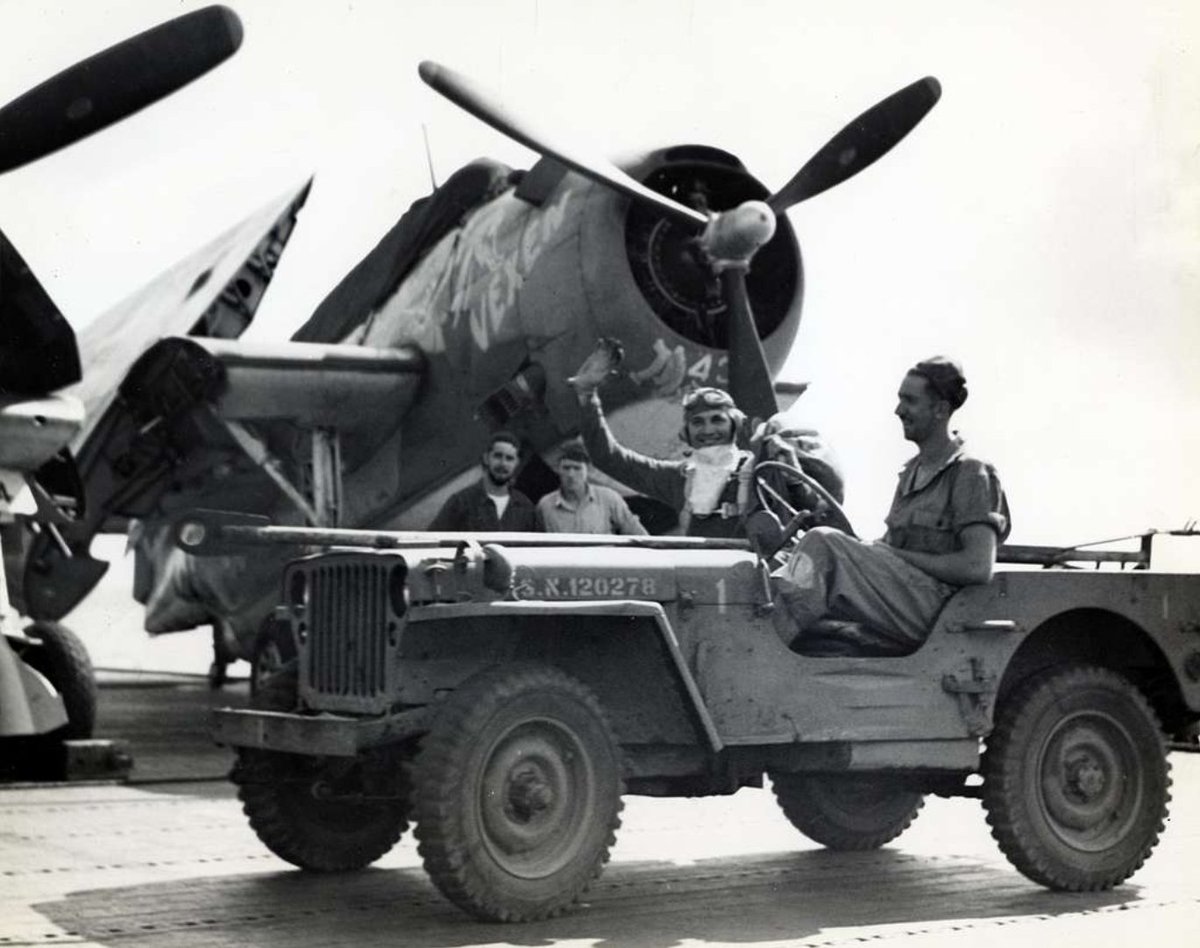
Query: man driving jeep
[(947, 519)]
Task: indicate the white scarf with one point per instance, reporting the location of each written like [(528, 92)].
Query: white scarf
[(707, 474)]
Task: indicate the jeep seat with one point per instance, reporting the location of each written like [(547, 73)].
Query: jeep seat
[(837, 637)]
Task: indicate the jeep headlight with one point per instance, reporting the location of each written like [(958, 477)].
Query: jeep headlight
[(297, 591), (397, 588)]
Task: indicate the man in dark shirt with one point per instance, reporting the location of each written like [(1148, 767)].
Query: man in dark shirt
[(948, 517), (490, 504)]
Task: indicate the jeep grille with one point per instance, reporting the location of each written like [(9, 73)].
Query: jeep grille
[(348, 662)]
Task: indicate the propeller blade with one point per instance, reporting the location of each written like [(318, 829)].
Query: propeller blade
[(868, 138), (749, 375), (115, 83), (468, 96)]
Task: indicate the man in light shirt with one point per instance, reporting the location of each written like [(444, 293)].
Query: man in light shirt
[(580, 507)]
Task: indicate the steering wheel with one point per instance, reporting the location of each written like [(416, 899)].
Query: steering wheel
[(768, 497)]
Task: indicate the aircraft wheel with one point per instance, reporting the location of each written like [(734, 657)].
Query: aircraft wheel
[(846, 812), (58, 653), (1076, 779), (517, 793), (320, 813)]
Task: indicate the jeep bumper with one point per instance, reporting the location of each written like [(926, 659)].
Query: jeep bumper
[(325, 735)]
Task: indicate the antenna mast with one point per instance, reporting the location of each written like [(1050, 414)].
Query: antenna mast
[(428, 156)]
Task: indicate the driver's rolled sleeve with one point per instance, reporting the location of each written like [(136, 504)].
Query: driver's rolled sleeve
[(979, 498)]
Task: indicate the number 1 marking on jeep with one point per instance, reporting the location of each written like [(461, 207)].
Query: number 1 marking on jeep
[(721, 597)]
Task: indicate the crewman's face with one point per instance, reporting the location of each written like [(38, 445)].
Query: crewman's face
[(572, 475), (709, 427), (500, 462), (919, 409)]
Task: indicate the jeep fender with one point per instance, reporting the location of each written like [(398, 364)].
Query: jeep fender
[(497, 629)]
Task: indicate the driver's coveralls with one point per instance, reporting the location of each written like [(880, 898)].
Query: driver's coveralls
[(831, 575)]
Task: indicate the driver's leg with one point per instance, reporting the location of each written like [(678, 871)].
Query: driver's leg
[(831, 574)]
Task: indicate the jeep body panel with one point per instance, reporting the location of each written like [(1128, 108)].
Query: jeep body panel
[(681, 646)]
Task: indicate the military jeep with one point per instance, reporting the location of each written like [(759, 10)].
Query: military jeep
[(503, 693)]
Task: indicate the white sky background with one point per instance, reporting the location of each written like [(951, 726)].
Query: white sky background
[(1042, 224)]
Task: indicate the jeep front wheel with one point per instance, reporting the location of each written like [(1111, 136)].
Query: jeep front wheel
[(846, 812), (1076, 779), (517, 793), (319, 813), (326, 814)]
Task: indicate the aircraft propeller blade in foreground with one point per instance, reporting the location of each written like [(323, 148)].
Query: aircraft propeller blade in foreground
[(38, 350), (728, 239), (115, 83)]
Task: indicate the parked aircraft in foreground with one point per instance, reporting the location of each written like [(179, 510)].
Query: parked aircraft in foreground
[(47, 685)]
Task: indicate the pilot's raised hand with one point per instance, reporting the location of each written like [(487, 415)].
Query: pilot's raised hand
[(602, 363)]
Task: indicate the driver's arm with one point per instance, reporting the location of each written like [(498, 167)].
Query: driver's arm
[(971, 565)]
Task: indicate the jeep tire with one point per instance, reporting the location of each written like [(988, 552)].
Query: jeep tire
[(517, 793), (1076, 778), (846, 812), (324, 814)]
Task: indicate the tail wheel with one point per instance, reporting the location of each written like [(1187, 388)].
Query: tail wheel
[(60, 655), (1076, 779), (517, 793), (846, 812), (320, 813)]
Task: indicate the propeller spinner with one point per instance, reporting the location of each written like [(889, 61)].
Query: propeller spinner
[(728, 239)]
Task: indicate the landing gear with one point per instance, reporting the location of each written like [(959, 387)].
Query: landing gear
[(1076, 779), (57, 652), (517, 793)]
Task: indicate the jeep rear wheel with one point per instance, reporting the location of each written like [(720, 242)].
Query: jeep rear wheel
[(1076, 779), (517, 793), (846, 812)]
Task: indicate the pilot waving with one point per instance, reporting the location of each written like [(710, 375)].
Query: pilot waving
[(704, 488)]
